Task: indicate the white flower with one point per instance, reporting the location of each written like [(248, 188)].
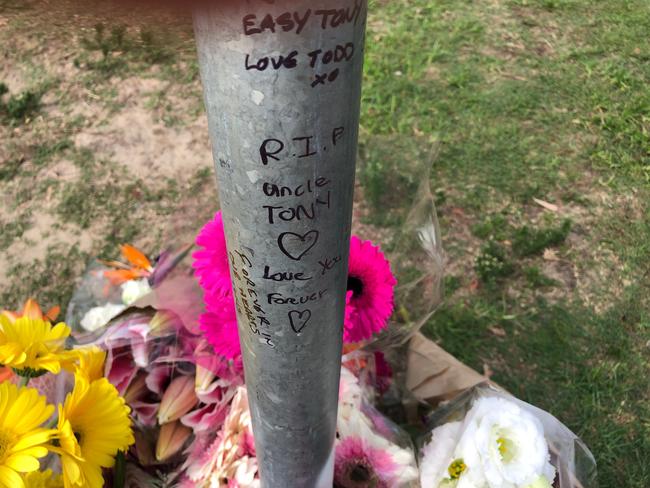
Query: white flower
[(133, 290), (231, 458), (502, 446), (540, 482), (438, 455), (350, 394), (246, 472), (99, 316)]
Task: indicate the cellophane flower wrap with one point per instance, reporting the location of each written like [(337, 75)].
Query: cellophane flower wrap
[(182, 395), (487, 438), (414, 250)]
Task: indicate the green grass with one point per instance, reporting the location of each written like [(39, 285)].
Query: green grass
[(18, 107), (493, 263), (529, 241), (537, 279), (11, 230), (122, 50), (10, 168), (528, 99)]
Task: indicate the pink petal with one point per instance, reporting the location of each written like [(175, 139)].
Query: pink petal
[(158, 378), (145, 412), (121, 369)]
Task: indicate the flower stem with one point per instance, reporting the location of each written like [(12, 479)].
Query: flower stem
[(24, 381), (119, 470)]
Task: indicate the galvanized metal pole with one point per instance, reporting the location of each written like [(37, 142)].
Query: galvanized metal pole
[(282, 81)]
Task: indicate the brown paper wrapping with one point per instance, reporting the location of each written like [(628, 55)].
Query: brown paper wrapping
[(433, 375)]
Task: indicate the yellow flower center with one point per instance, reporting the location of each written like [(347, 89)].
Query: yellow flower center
[(456, 468), (506, 449)]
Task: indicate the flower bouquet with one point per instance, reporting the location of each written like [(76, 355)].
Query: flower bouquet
[(370, 449), (169, 351), (486, 438), (146, 387), (80, 435)]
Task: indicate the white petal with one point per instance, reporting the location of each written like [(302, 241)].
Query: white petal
[(438, 454)]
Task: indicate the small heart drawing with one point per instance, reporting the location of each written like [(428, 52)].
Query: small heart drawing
[(299, 319), (295, 246)]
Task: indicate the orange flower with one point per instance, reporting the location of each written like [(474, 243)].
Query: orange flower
[(32, 310), (354, 362), (5, 374), (136, 257), (139, 266), (119, 276)]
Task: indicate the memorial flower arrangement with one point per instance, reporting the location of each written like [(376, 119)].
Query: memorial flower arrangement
[(189, 413), (370, 450), (149, 390)]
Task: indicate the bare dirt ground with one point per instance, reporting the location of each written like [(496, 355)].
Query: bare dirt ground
[(115, 121)]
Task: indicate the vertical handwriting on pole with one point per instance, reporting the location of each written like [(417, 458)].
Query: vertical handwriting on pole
[(246, 297)]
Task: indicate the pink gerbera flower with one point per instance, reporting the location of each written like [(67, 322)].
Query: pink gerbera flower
[(369, 302), (358, 464), (372, 284), (219, 325), (364, 458), (211, 262)]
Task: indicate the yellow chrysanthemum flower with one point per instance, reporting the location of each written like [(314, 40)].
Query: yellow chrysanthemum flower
[(87, 362), (43, 479), (93, 426), (22, 440), (32, 346)]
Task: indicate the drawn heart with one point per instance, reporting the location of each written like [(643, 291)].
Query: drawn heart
[(295, 246), (299, 319)]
